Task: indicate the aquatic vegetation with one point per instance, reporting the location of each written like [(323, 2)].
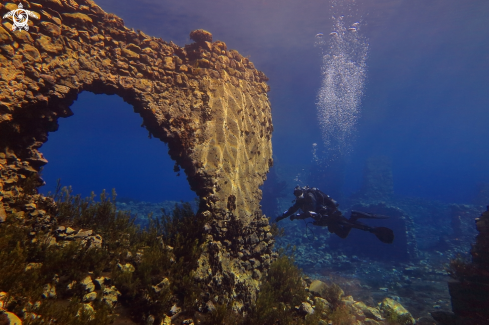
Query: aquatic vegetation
[(333, 294), (460, 268), (223, 315), (276, 230), (281, 293), (281, 290), (29, 263), (146, 270), (341, 315), (151, 267)]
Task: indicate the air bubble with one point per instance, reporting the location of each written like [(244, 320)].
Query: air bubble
[(339, 98)]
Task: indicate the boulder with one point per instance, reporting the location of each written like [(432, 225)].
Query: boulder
[(305, 309), (128, 267), (110, 296), (49, 291), (395, 312), (87, 284), (201, 35), (318, 288)]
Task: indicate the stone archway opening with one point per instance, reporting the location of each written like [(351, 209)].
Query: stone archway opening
[(208, 103), (103, 147)]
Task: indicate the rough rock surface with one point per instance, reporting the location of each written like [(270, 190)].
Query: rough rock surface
[(207, 102)]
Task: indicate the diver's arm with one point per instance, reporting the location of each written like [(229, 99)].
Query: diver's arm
[(308, 206), (293, 209)]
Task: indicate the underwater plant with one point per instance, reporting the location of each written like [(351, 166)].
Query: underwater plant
[(281, 290), (30, 264), (150, 268), (333, 294), (341, 315)]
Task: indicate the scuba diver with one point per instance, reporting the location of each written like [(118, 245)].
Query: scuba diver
[(324, 210)]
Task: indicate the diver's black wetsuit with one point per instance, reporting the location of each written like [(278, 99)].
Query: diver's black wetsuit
[(324, 210)]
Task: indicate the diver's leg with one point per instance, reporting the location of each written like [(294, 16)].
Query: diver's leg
[(345, 225), (355, 215), (341, 231)]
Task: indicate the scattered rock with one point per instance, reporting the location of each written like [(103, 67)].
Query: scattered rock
[(166, 320), (150, 320), (160, 286), (369, 312), (94, 241), (87, 309), (90, 296), (13, 319), (83, 233), (30, 206), (32, 266), (323, 303), (210, 306), (128, 267), (101, 281), (175, 310), (110, 296), (305, 308), (49, 291), (369, 321), (394, 310), (71, 285), (318, 287), (87, 284)]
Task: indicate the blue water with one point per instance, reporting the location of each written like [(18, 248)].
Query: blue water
[(103, 146), (419, 70), (424, 105)]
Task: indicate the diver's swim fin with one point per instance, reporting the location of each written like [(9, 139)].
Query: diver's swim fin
[(385, 235)]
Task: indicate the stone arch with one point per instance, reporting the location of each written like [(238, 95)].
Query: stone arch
[(208, 103)]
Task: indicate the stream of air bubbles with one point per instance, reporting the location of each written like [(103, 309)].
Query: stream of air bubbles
[(344, 68)]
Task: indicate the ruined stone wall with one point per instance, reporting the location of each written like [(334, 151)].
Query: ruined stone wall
[(470, 290), (378, 183), (208, 103)]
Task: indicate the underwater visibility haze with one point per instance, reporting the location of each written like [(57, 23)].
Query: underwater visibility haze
[(418, 83), (381, 104)]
